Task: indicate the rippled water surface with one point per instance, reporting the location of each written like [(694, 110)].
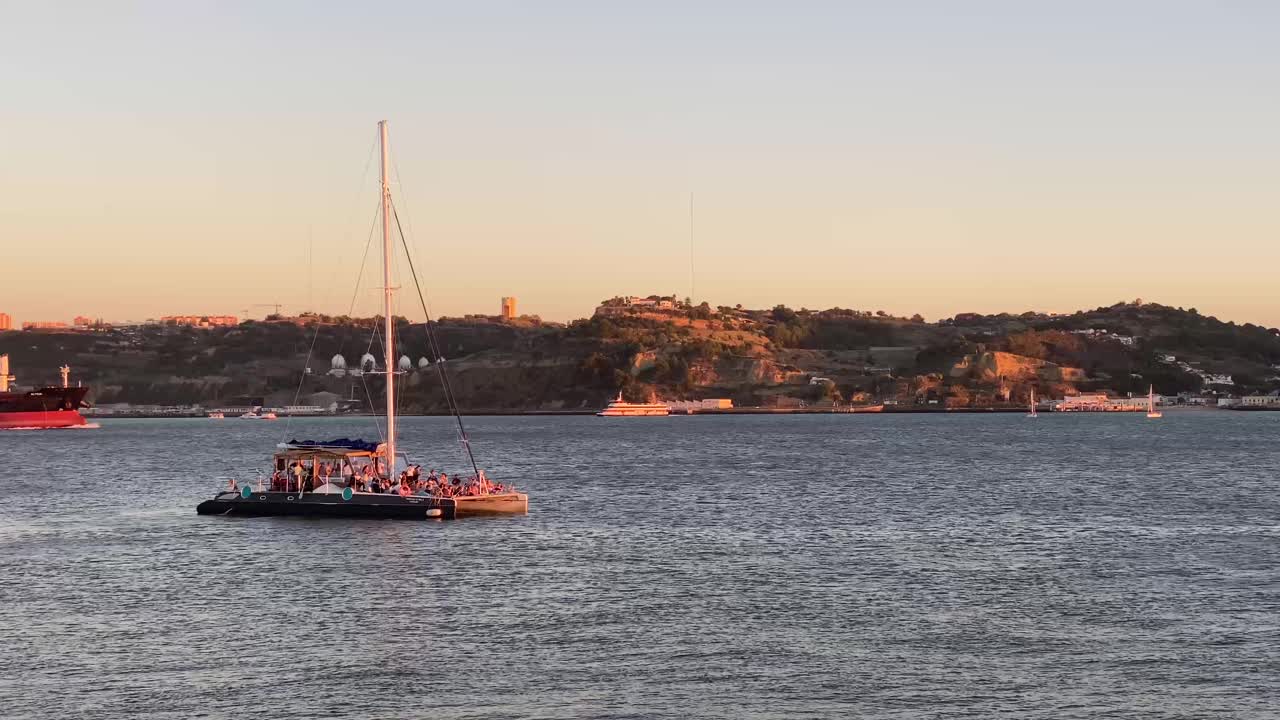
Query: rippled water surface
[(810, 566)]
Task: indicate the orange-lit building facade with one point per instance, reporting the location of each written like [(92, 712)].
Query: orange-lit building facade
[(44, 325), (508, 308), (6, 322), (200, 321)]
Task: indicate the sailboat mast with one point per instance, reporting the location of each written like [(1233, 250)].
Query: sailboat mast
[(388, 341)]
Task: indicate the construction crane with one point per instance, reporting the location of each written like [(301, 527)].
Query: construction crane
[(275, 305)]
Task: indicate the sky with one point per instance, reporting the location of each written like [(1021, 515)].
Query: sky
[(931, 157)]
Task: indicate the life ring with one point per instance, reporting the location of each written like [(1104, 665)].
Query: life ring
[(347, 493), (246, 492)]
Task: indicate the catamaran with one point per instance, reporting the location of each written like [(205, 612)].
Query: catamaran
[(1032, 412), (358, 478), (1152, 412)]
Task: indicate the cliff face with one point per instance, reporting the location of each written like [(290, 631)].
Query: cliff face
[(992, 367)]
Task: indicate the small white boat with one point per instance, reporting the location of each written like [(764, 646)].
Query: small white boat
[(256, 415), (621, 408), (217, 416), (1152, 412)]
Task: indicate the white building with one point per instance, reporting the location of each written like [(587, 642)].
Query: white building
[(693, 406), (1260, 401)]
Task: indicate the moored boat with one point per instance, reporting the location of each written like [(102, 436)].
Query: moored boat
[(46, 407), (621, 408)]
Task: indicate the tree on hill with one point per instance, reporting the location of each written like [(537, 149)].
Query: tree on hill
[(701, 312)]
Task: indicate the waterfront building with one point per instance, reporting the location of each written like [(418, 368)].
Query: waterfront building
[(6, 322), (693, 406), (1083, 401), (1260, 400), (508, 310)]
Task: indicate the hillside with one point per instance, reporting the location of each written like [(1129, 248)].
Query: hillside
[(755, 357)]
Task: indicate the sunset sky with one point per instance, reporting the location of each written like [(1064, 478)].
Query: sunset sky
[(932, 157)]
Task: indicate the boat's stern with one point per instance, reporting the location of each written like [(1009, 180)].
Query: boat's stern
[(512, 503)]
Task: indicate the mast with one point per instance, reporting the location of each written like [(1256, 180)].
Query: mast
[(388, 340)]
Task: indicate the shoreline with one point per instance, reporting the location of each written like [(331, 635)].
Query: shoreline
[(902, 410)]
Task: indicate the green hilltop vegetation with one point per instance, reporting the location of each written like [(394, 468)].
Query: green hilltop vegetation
[(778, 356)]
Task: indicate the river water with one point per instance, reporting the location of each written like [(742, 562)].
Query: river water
[(897, 566)]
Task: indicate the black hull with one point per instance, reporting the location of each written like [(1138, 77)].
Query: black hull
[(364, 505), (49, 399), (281, 504)]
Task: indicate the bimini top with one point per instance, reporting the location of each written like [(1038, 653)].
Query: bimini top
[(339, 444)]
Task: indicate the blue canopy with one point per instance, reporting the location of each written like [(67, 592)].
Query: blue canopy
[(342, 443)]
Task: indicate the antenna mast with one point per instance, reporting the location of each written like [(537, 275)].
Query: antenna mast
[(389, 356), (693, 298)]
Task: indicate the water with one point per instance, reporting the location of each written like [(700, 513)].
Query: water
[(720, 567)]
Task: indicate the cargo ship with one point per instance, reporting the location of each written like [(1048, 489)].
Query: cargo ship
[(47, 407)]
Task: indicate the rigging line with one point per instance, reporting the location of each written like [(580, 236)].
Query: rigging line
[(444, 375), (369, 397), (373, 333), (355, 204), (298, 392), (364, 259)]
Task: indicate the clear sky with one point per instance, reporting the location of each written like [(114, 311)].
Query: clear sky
[(932, 157)]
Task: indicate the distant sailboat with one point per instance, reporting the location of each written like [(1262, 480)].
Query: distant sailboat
[(1032, 413), (1151, 403)]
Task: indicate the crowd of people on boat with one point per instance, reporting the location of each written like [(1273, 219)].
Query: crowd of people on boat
[(373, 478)]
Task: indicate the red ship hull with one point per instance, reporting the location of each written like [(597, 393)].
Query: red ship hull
[(50, 407), (41, 419)]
